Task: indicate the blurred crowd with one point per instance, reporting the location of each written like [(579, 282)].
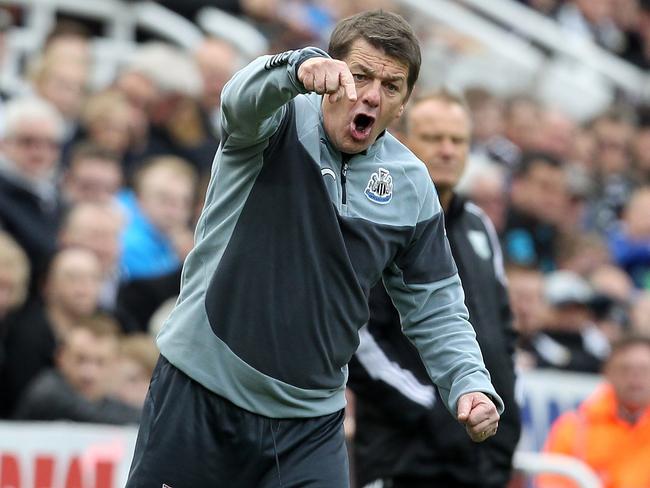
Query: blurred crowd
[(101, 188), (620, 26)]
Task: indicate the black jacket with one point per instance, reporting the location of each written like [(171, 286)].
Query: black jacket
[(30, 347), (33, 222), (403, 429)]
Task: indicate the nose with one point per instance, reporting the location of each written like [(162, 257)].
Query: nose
[(372, 94), (447, 147)]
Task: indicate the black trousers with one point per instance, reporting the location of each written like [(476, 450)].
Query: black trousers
[(190, 437)]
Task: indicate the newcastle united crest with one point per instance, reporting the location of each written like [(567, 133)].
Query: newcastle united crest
[(380, 187)]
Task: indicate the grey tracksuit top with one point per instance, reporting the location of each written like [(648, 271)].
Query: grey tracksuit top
[(292, 237)]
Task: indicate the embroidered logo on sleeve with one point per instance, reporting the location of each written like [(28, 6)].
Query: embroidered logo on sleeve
[(380, 187), (277, 60), (479, 242), (328, 172)]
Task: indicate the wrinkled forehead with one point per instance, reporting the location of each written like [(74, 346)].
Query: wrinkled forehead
[(375, 61)]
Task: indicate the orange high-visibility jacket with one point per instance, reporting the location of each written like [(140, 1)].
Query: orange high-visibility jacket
[(619, 452)]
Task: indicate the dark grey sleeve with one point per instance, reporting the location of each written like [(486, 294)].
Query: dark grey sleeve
[(427, 292)]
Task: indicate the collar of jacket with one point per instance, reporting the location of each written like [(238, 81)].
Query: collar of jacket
[(456, 206)]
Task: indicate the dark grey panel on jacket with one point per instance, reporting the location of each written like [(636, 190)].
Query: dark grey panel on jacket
[(292, 302), (429, 239), (372, 247)]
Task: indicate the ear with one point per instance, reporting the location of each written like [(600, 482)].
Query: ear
[(400, 112)]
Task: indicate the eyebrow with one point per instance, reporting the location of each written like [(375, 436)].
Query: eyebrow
[(370, 71)]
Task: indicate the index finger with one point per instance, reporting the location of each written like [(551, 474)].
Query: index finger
[(348, 84)]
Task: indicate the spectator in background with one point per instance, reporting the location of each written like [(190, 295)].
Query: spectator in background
[(538, 204), (98, 228), (217, 61), (172, 104), (63, 81), (93, 175), (612, 168), (521, 119), (570, 339), (78, 387), (610, 430), (14, 284), (107, 122), (487, 117), (140, 91), (530, 312), (629, 241), (14, 277), (638, 48), (144, 298), (640, 314), (71, 293), (399, 416), (641, 145), (488, 139), (615, 294), (30, 208), (556, 133), (157, 236), (592, 20), (484, 183), (581, 253), (134, 365), (69, 39), (6, 22), (612, 281)]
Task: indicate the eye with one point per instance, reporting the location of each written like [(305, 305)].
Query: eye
[(359, 77), (392, 87)]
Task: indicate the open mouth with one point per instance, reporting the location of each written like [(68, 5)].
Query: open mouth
[(361, 126)]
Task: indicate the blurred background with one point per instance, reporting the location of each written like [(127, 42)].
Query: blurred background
[(109, 121)]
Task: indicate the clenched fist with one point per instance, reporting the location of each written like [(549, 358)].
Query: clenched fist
[(331, 76), (479, 415)]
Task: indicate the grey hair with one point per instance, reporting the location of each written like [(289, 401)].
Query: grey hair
[(171, 69), (479, 169), (30, 108)]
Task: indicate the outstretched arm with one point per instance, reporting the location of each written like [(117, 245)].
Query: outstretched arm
[(252, 103)]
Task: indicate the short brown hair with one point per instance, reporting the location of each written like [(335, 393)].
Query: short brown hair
[(179, 166), (88, 150), (384, 30), (100, 325)]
